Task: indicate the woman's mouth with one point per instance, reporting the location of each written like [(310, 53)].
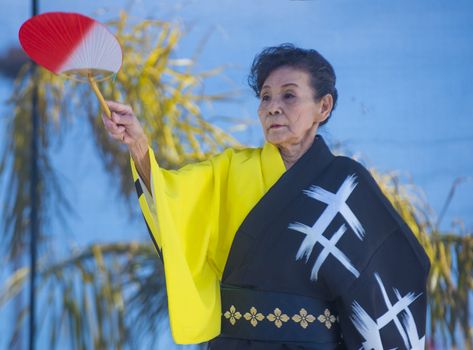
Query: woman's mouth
[(276, 126)]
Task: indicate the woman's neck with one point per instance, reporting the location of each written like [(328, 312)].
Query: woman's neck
[(291, 153)]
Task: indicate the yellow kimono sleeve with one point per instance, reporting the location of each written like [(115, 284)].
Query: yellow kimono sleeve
[(199, 208)]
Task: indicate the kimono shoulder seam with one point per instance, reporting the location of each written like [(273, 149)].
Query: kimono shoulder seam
[(394, 213), (367, 263), (375, 252), (373, 187), (378, 191)]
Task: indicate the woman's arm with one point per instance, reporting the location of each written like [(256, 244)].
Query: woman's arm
[(125, 127), (140, 155)]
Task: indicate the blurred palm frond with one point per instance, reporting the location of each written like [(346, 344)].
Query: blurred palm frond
[(102, 297)]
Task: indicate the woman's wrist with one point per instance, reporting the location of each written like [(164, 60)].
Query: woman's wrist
[(139, 153), (139, 149)]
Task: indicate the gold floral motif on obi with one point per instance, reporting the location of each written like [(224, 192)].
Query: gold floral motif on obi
[(253, 316), (278, 317), (303, 318), (327, 318), (232, 315)]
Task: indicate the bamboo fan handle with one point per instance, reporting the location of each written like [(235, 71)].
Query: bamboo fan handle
[(104, 105)]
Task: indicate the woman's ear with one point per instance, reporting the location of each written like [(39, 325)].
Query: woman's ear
[(326, 105)]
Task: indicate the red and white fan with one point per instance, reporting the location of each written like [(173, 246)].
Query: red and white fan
[(73, 45)]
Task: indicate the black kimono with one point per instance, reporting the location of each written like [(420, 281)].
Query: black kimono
[(324, 261)]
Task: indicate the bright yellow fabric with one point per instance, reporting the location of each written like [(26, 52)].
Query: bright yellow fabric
[(199, 209)]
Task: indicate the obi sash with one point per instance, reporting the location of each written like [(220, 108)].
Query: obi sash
[(277, 317)]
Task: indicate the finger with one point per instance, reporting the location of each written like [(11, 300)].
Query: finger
[(114, 129), (118, 130), (107, 122), (123, 119), (112, 126), (119, 107)]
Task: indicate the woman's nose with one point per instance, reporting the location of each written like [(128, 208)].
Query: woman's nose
[(274, 107)]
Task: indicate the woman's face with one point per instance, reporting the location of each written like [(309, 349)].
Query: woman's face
[(287, 111)]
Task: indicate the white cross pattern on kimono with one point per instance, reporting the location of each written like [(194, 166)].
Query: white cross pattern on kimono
[(370, 329), (336, 203)]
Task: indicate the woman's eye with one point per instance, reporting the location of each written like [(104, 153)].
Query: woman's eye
[(265, 98), (288, 95)]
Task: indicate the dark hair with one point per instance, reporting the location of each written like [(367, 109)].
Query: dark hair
[(322, 75)]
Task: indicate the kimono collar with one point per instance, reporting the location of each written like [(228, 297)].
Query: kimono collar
[(285, 189), (272, 165), (317, 156)]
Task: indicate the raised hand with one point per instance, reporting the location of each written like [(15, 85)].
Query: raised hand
[(124, 127)]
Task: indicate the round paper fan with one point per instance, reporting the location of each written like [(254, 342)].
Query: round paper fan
[(72, 44)]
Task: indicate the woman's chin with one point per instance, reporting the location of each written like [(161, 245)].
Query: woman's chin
[(276, 137), (276, 141)]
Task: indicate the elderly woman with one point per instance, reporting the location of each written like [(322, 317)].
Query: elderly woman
[(285, 246)]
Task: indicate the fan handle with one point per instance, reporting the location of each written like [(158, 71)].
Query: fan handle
[(95, 88)]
